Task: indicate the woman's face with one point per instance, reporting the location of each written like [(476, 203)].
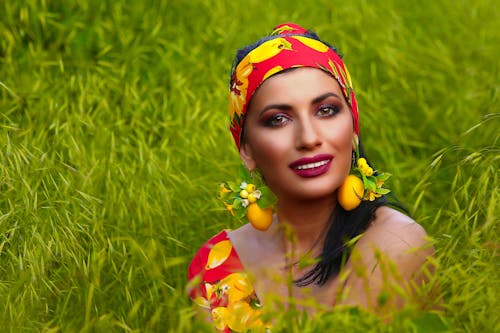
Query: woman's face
[(299, 133)]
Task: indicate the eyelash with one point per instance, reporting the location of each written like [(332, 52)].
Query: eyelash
[(272, 120), (332, 108)]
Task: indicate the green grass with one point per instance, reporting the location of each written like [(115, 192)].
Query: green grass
[(113, 138)]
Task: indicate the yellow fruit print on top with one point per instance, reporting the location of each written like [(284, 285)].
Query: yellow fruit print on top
[(312, 43), (268, 50)]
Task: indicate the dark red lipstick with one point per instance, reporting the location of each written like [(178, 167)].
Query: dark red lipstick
[(309, 167)]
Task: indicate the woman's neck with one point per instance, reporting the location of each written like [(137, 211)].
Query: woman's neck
[(305, 224)]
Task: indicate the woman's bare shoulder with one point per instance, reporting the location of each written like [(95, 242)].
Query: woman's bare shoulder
[(398, 238), (394, 250), (393, 231)]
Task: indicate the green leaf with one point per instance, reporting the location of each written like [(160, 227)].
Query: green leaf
[(241, 213), (369, 185), (235, 187), (267, 198), (383, 191), (383, 176), (245, 174), (356, 172), (237, 203)]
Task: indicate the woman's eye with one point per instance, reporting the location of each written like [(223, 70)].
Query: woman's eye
[(328, 110), (275, 121)]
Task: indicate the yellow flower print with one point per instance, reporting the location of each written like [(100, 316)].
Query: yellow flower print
[(244, 70), (218, 254), (244, 317), (238, 316), (236, 103), (312, 43), (238, 286), (221, 317), (239, 86), (233, 295)]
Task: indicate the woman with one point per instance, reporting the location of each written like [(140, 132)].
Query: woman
[(294, 119)]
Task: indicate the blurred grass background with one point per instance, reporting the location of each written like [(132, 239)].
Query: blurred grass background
[(113, 139)]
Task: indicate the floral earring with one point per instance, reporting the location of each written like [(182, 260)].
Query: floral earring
[(250, 198), (362, 183)]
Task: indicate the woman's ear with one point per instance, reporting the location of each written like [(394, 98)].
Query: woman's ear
[(247, 156)]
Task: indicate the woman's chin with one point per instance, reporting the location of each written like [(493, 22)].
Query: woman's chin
[(315, 193)]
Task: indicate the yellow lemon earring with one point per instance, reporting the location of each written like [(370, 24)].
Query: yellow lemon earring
[(351, 192), (245, 199), (362, 183)]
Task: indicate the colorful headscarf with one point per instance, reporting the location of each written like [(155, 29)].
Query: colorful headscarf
[(291, 48)]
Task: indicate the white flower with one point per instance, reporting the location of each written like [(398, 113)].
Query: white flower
[(245, 203), (243, 185), (257, 194)]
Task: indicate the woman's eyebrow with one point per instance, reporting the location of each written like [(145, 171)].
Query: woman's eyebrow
[(324, 96), (275, 106)]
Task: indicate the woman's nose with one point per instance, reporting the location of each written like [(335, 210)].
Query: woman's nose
[(307, 136)]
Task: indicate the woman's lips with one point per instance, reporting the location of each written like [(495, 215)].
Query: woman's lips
[(308, 167)]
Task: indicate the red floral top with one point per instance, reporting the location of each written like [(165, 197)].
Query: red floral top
[(218, 282)]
